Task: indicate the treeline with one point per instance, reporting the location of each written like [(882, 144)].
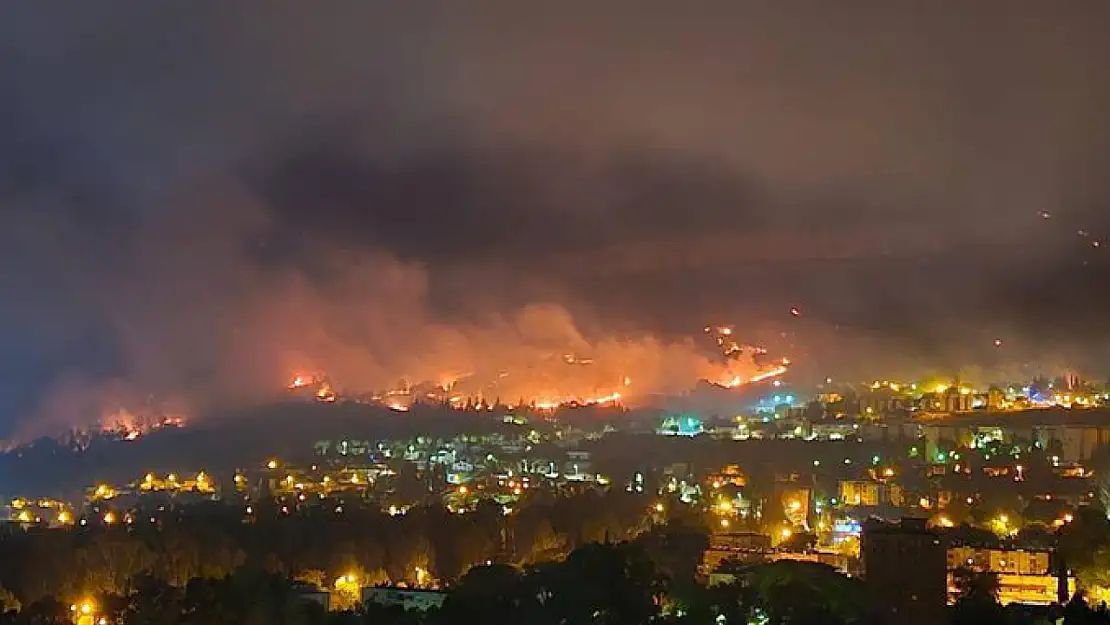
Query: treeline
[(650, 579), (323, 541), (614, 584), (608, 584)]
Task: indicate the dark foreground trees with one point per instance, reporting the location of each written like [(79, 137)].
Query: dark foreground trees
[(647, 580), (212, 541)]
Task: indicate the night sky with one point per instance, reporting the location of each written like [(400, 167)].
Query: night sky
[(187, 188)]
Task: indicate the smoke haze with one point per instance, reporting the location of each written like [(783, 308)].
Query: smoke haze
[(199, 201)]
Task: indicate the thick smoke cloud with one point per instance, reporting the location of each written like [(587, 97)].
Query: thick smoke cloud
[(204, 322), (183, 185)]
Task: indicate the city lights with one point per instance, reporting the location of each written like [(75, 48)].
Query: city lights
[(727, 314), (344, 475)]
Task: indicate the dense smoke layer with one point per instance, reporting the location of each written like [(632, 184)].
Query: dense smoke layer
[(205, 321), (198, 202)]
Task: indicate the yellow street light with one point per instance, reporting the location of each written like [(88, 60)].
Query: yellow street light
[(86, 607)]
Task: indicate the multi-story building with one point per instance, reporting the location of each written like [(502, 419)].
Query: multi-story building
[(416, 599), (905, 565), (859, 493), (1024, 576), (730, 552), (743, 547), (1015, 561)]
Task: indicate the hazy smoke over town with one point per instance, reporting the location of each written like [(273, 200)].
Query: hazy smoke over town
[(199, 203), (201, 321)]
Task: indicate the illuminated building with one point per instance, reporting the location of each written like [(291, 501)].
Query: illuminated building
[(845, 530), (680, 425), (1024, 576), (957, 399), (1076, 442), (407, 598), (839, 561), (878, 491), (859, 493), (834, 431), (996, 399), (905, 565), (743, 547), (881, 400), (343, 447), (795, 505), (461, 473), (578, 466), (1075, 433), (1016, 561), (731, 474)]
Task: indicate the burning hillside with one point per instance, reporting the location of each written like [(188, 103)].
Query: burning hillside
[(628, 372), (363, 329)]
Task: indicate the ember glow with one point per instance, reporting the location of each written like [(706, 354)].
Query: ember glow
[(613, 373), (773, 372), (130, 427), (301, 381), (766, 375), (325, 393)]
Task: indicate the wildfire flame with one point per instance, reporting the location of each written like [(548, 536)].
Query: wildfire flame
[(325, 393), (401, 400), (130, 427), (564, 379), (300, 381), (774, 372)]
